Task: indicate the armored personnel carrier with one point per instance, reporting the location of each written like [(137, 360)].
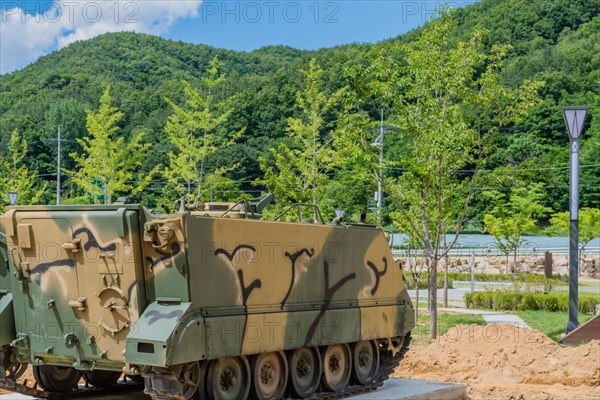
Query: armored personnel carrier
[(209, 302)]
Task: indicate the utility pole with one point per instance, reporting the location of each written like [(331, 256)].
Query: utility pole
[(380, 182), (379, 194), (379, 142), (58, 140)]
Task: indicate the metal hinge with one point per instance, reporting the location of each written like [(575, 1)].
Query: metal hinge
[(80, 304), (73, 246)]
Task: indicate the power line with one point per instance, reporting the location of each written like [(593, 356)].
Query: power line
[(507, 168)]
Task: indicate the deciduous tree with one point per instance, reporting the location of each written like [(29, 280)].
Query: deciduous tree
[(193, 130), (109, 162), (589, 226), (15, 176), (298, 173), (440, 92), (513, 217)]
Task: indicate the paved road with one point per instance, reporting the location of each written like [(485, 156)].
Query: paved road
[(455, 296)]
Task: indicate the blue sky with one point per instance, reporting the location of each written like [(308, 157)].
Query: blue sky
[(30, 29), (309, 24)]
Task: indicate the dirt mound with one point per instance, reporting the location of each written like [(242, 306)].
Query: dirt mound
[(507, 362)]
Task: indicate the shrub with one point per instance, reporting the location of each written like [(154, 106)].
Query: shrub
[(410, 284), (511, 300), (528, 302), (547, 302), (587, 304), (526, 278)]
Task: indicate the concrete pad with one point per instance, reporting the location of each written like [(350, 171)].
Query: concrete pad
[(123, 394), (393, 389), (500, 318), (410, 389)]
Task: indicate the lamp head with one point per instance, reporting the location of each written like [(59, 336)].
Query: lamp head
[(12, 198), (574, 119)]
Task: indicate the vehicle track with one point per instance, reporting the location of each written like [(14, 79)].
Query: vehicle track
[(389, 360)]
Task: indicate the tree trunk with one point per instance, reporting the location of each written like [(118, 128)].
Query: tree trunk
[(446, 282), (417, 281), (428, 289), (433, 303), (445, 274)]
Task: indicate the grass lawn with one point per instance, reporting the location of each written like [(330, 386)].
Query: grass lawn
[(446, 321), (584, 287), (553, 324)]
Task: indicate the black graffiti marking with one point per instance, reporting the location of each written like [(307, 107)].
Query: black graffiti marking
[(329, 292), (44, 267), (175, 249), (377, 273), (155, 315), (247, 290), (293, 258), (231, 256), (130, 291), (92, 241)]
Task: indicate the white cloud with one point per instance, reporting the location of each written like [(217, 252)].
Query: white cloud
[(31, 29)]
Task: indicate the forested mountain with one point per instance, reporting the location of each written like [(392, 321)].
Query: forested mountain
[(555, 41)]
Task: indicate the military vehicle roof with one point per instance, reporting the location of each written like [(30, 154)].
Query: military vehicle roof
[(78, 207)]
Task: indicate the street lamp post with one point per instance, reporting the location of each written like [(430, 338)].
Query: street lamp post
[(574, 118)]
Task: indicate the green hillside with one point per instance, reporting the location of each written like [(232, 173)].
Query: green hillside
[(556, 41)]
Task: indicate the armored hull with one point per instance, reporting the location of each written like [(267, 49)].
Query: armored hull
[(200, 304)]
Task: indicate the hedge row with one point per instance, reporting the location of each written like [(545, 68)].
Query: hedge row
[(480, 277), (423, 282), (510, 300), (526, 278)]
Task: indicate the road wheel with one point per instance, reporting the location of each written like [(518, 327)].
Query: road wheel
[(202, 393), (191, 380), (269, 375), (365, 362), (229, 378), (102, 379), (305, 372), (337, 366), (56, 379)]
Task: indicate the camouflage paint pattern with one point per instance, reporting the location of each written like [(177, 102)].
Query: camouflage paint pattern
[(7, 324), (113, 287)]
